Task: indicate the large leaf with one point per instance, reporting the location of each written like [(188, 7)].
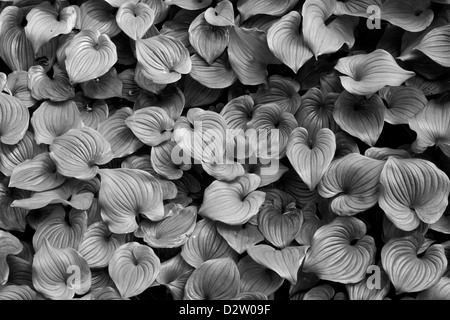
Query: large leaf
[(316, 111), (126, 193), (286, 43), (163, 58), (413, 190), (78, 152), (61, 229), (135, 19), (282, 91), (90, 55), (310, 155), (216, 279), (285, 262), (133, 268), (45, 23), (403, 103), (208, 41), (14, 118), (53, 119), (171, 232), (37, 174), (353, 182), (408, 271), (360, 117), (410, 15), (256, 277), (151, 125), (432, 125), (232, 202), (322, 37), (120, 137), (99, 244), (205, 244), (341, 251), (57, 88), (59, 274), (365, 74), (15, 49)]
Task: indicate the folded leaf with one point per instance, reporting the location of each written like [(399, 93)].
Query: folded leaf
[(99, 244), (216, 75), (209, 41), (385, 153), (249, 55), (61, 229), (59, 274), (282, 91), (92, 114), (256, 277), (15, 49), (316, 111), (12, 155), (285, 262), (334, 257), (126, 193), (365, 74), (249, 8), (411, 15), (273, 127), (90, 55), (151, 125), (222, 15), (216, 279), (360, 117), (403, 103), (133, 267), (280, 227), (45, 23), (232, 202), (322, 37), (17, 86), (311, 155), (146, 83), (99, 15), (53, 119), (286, 43), (9, 244), (14, 117), (163, 58), (119, 136), (240, 238), (171, 232), (174, 274), (135, 19), (354, 183), (104, 87), (43, 87), (37, 174), (205, 244), (408, 271), (78, 152), (431, 125), (418, 192), (161, 157)]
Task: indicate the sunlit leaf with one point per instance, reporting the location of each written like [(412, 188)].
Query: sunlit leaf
[(248, 8), (135, 19)]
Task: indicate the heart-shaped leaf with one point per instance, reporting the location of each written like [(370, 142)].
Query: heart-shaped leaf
[(133, 268), (222, 15), (135, 19), (334, 257)]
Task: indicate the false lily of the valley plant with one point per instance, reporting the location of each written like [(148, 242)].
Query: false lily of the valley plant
[(227, 149)]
